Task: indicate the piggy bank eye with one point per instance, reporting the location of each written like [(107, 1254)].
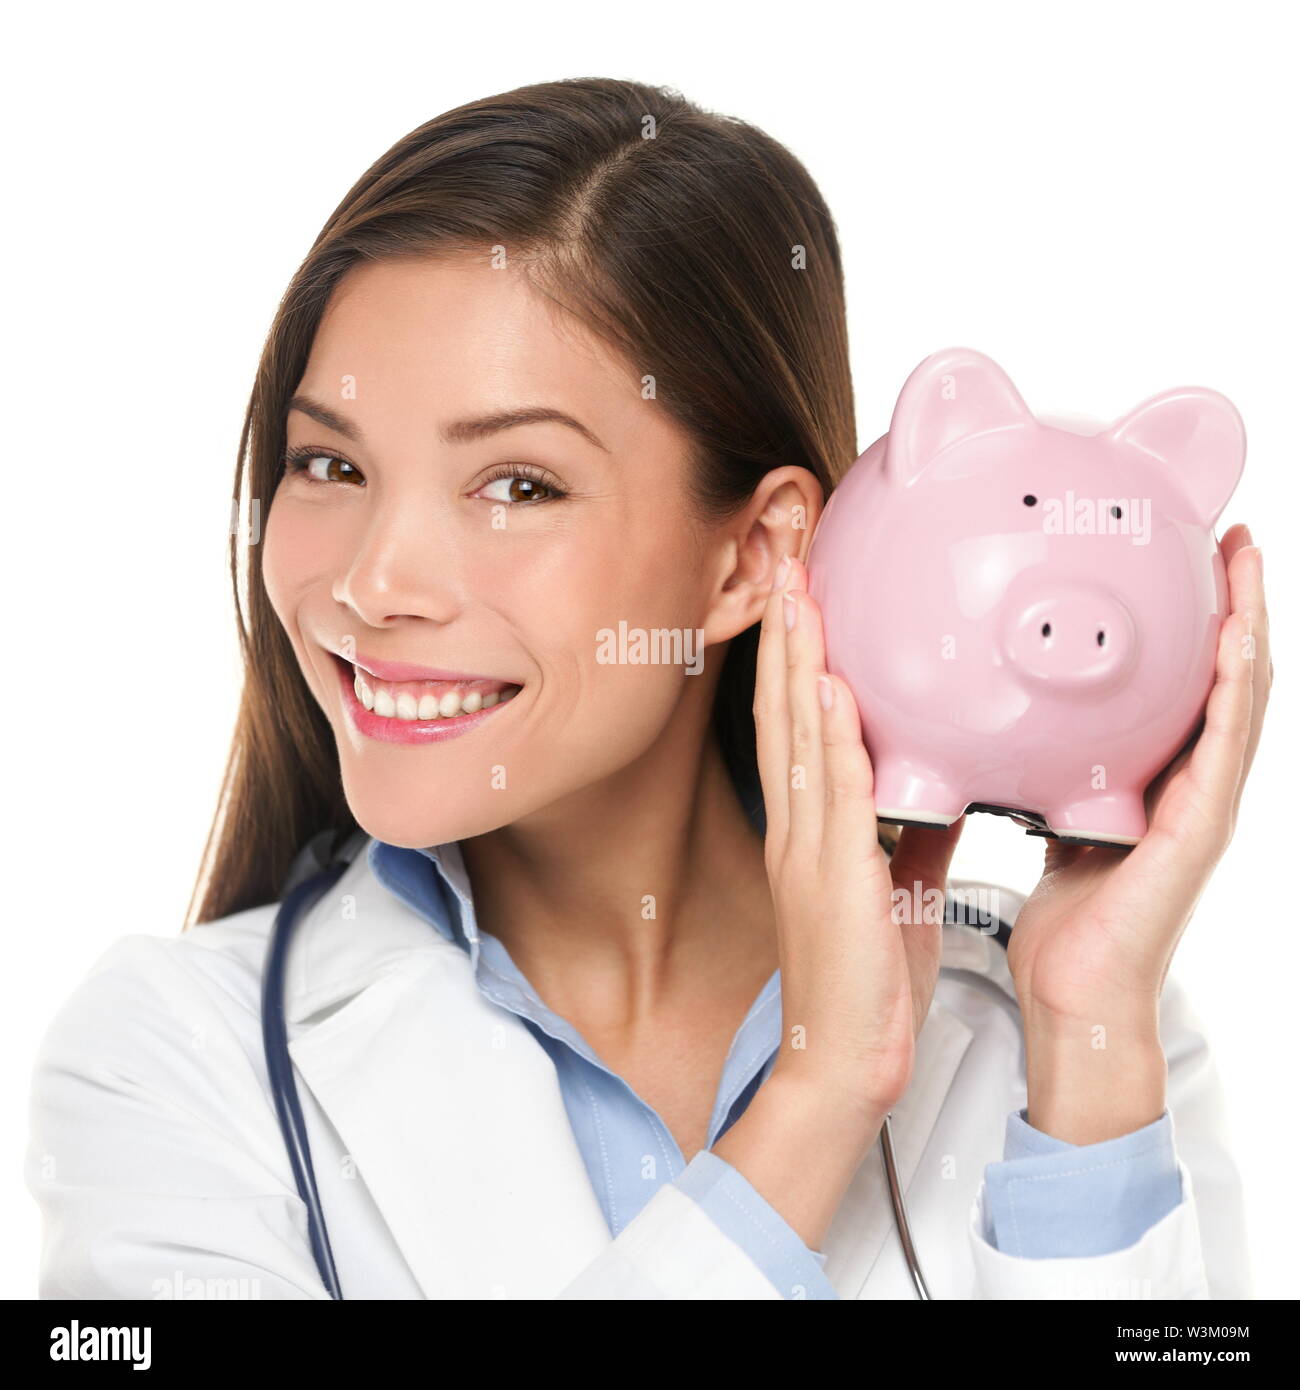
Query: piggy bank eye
[(1116, 512), (1029, 499)]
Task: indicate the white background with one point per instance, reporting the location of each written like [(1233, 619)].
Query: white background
[(1100, 196)]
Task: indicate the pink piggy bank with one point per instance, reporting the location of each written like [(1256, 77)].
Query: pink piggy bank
[(1027, 612)]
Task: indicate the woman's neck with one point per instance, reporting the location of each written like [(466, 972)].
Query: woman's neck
[(642, 894)]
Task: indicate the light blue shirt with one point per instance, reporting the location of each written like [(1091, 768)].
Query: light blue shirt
[(1046, 1198)]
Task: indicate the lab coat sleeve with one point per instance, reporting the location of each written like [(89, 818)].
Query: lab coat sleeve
[(706, 1235), (145, 1189), (1197, 1249)]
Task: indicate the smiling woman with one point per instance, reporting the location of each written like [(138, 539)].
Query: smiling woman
[(614, 996), (493, 490)]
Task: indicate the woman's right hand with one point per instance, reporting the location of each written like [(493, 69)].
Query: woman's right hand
[(858, 963), (856, 982)]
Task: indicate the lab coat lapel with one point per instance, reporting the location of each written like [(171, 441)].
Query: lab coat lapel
[(399, 1047)]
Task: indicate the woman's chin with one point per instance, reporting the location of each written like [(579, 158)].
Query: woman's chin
[(420, 827)]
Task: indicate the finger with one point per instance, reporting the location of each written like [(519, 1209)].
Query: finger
[(1245, 593), (1214, 769), (924, 855), (771, 719), (1233, 539), (1062, 854), (1246, 585), (803, 654), (849, 829), (919, 867)]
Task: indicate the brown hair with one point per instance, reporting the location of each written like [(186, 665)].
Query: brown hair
[(692, 241)]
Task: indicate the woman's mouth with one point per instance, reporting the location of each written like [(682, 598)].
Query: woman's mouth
[(418, 711)]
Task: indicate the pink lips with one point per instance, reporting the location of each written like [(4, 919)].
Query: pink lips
[(404, 671), (409, 731)]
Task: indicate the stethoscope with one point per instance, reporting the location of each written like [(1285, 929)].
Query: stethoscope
[(279, 1065)]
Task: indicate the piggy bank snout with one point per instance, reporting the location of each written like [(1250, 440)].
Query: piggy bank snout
[(1072, 638)]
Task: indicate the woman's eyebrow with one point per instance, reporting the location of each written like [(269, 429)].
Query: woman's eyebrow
[(461, 431), (323, 415)]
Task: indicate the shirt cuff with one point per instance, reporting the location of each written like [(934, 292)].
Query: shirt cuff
[(745, 1217), (1049, 1199)]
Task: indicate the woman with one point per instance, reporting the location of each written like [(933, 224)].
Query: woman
[(586, 1016)]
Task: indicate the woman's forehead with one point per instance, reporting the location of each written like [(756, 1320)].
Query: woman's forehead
[(444, 340)]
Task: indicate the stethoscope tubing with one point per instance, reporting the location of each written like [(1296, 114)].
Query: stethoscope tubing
[(279, 1066)]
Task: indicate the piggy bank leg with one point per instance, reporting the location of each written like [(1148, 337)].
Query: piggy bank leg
[(913, 795), (1114, 818)]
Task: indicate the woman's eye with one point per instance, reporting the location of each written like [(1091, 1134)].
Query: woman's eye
[(519, 488), (323, 468)]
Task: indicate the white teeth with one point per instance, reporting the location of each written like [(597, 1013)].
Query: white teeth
[(407, 705)]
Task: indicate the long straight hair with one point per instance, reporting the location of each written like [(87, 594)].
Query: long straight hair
[(691, 241)]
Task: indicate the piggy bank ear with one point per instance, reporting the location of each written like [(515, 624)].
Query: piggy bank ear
[(952, 395), (1198, 435)]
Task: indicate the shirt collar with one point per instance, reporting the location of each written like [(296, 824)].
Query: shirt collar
[(398, 894), (434, 883)]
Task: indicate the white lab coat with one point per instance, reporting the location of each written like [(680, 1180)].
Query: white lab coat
[(444, 1155)]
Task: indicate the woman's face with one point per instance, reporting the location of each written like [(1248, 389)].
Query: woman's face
[(422, 529)]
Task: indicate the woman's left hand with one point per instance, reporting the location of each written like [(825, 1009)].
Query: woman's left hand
[(1092, 944)]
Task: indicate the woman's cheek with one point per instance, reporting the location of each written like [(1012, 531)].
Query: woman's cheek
[(276, 566), (295, 555)]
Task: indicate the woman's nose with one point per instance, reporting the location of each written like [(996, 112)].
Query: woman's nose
[(399, 569)]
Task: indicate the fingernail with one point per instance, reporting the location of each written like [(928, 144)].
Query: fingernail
[(781, 571), (1250, 540), (825, 692), (790, 613)]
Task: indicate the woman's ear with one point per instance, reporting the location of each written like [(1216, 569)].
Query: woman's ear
[(777, 521)]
